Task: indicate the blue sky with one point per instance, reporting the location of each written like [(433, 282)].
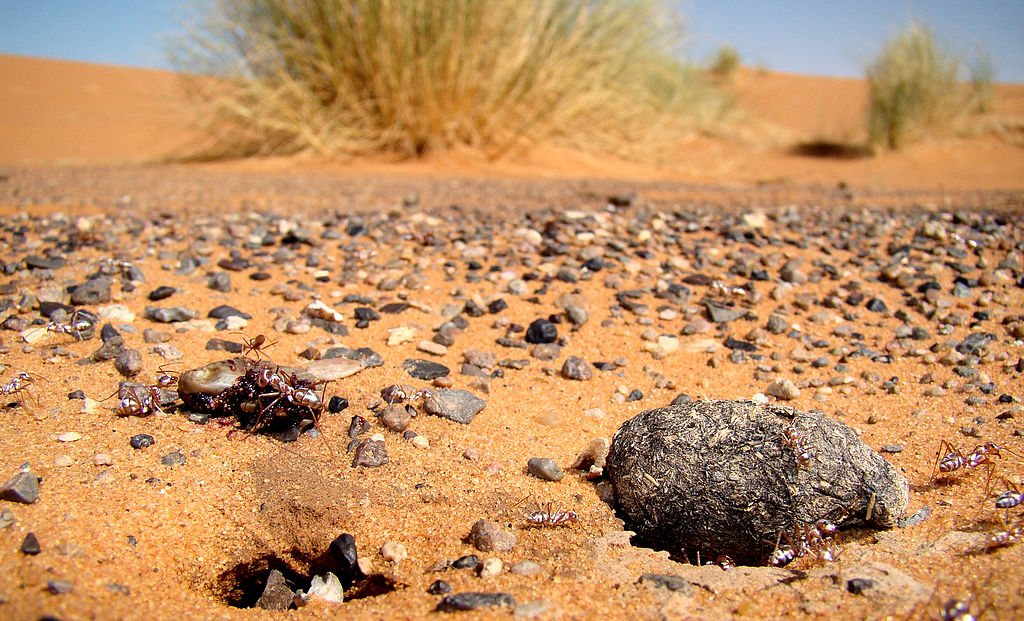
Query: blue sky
[(820, 37)]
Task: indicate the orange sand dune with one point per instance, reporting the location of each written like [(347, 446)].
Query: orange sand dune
[(69, 113)]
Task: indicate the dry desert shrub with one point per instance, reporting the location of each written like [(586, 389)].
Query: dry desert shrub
[(915, 89), (405, 77)]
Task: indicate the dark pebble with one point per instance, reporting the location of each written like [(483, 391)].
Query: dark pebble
[(470, 561), (143, 440), (47, 309), (474, 601), (892, 448), (859, 585), (160, 293), (365, 313), (370, 454), (738, 345), (439, 587), (234, 265), (128, 362), (258, 276), (91, 292), (171, 314), (77, 394), (395, 417), (605, 366), (224, 311), (544, 468), (635, 395), (108, 350), (541, 331), (345, 556), (394, 308), (576, 368), (337, 404), (36, 262), (173, 459), (22, 487), (425, 369), (358, 426), (109, 333), (30, 545), (231, 347), (681, 398), (219, 281), (59, 587)]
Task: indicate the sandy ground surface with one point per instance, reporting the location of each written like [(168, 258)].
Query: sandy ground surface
[(132, 537)]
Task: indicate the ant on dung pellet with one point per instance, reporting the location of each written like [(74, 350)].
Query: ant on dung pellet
[(805, 454)]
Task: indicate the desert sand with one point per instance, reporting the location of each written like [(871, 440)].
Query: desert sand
[(190, 525)]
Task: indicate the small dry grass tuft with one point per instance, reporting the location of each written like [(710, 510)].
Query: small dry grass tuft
[(915, 89), (407, 77)]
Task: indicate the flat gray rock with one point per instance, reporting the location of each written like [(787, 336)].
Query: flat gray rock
[(722, 477), (457, 405)]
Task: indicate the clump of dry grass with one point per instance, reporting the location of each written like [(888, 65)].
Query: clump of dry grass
[(915, 89), (406, 77)]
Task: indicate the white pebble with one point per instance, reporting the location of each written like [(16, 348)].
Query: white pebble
[(420, 442), (70, 436), (491, 567), (102, 459), (394, 552), (62, 461)]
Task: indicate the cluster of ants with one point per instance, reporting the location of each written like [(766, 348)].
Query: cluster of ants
[(951, 460), (817, 540)]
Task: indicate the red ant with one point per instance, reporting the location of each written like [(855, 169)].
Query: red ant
[(256, 345), (792, 439)]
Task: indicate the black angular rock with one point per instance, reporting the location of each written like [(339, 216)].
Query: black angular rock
[(738, 345), (30, 545), (231, 347), (439, 587), (344, 558), (141, 441), (474, 601), (337, 404), (160, 293), (425, 369), (541, 331), (224, 311)]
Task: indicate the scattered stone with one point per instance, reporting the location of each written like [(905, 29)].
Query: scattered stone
[(525, 568), (92, 292), (160, 293), (330, 369), (345, 557), (679, 471), (69, 436), (431, 347), (395, 417), (489, 537), (491, 567), (439, 587), (919, 516), (544, 468), (173, 459), (457, 405), (469, 561), (425, 369), (327, 588), (129, 362), (102, 459), (219, 281), (475, 601), (172, 314), (370, 453), (231, 347), (541, 331), (141, 441), (59, 587), (225, 312), (393, 552), (30, 545), (783, 389), (575, 368), (336, 404), (276, 594)]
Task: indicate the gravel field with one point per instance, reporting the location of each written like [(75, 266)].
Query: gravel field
[(467, 340)]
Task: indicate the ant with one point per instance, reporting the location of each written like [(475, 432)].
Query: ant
[(20, 383), (77, 324), (805, 454), (1010, 498), (546, 517), (120, 267), (955, 460), (1010, 534), (806, 539), (256, 345), (135, 404), (397, 394), (166, 379)]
